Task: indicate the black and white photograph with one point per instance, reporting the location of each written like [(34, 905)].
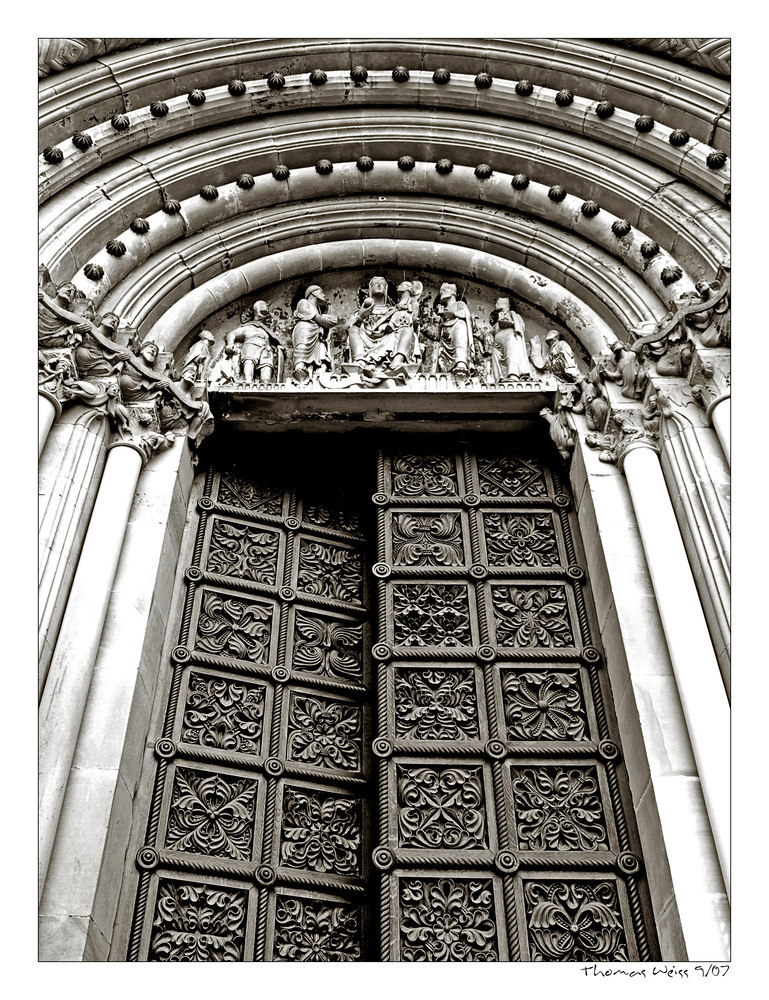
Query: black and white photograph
[(384, 442)]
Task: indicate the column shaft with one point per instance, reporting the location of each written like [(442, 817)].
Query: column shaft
[(69, 677), (70, 470), (720, 415), (47, 412), (691, 652)]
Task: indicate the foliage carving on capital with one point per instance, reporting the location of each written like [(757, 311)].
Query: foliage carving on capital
[(80, 361)]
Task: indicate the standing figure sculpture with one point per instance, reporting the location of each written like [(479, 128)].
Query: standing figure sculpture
[(256, 340), (310, 341), (510, 358), (382, 334), (456, 333), (197, 361)]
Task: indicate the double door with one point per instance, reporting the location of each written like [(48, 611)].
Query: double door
[(388, 733)]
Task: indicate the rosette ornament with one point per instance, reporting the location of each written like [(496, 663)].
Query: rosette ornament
[(52, 154), (557, 193), (444, 166), (520, 182), (483, 80), (120, 122), (237, 88), (564, 98), (441, 76), (281, 172), (400, 74)]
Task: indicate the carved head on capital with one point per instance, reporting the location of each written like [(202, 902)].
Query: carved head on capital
[(149, 353)]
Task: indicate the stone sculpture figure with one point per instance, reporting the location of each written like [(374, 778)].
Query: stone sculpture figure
[(625, 369), (383, 334), (560, 360), (256, 340), (456, 336), (310, 345), (135, 386), (197, 361), (510, 358)]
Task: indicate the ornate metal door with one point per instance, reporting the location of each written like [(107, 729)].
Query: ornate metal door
[(257, 844), (503, 829), (496, 816)]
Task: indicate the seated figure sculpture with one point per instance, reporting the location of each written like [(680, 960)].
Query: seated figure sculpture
[(510, 360), (308, 336), (382, 335), (456, 333)]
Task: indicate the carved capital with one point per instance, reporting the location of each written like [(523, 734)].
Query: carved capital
[(79, 361), (711, 376), (628, 427)]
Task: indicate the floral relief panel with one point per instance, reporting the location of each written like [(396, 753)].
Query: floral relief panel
[(447, 920), (244, 551), (234, 626), (239, 492), (532, 616), (520, 540), (436, 704), (423, 476), (314, 930), (327, 570), (212, 814), (441, 808), (544, 705), (320, 832), (433, 539), (331, 516), (431, 615), (329, 647), (510, 476), (574, 921), (224, 714), (324, 732), (198, 923), (558, 809)]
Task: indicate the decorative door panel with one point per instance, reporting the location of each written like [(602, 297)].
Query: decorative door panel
[(257, 846), (494, 824), (504, 830)]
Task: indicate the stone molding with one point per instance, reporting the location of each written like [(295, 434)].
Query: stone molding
[(605, 70), (714, 54), (178, 170), (220, 108)]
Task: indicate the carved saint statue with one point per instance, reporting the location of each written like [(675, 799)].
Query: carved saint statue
[(456, 332), (309, 338), (510, 360), (383, 334), (560, 359), (197, 361)]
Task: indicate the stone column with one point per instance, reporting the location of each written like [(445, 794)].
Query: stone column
[(69, 676), (78, 916), (719, 414), (69, 472), (694, 664), (48, 409)]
